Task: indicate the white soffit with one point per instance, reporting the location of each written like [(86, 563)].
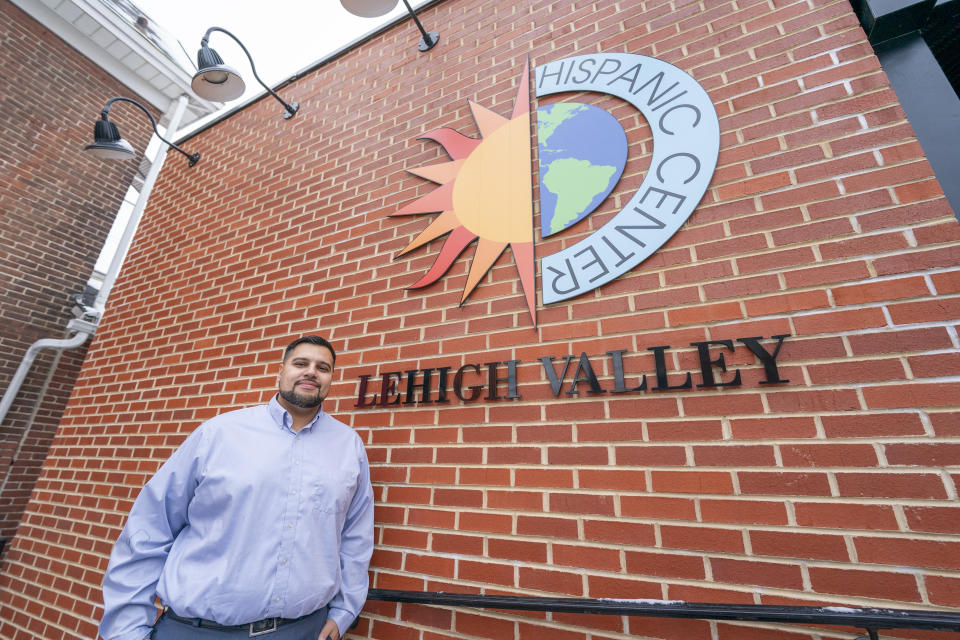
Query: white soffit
[(97, 29)]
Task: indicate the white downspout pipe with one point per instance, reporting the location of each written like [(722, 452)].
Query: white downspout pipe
[(127, 239), (85, 328)]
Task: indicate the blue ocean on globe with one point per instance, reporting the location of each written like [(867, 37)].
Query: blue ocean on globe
[(583, 150)]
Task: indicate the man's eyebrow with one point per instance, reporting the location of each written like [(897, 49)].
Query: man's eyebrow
[(304, 359)]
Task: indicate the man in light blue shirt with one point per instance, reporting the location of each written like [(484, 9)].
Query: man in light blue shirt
[(260, 523)]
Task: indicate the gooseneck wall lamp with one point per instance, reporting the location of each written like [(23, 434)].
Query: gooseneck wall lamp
[(216, 81), (376, 8), (108, 144)]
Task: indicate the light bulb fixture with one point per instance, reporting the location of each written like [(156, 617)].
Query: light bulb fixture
[(107, 143), (216, 81), (376, 8)]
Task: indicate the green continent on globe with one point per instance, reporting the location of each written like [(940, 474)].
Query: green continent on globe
[(549, 120), (576, 183)]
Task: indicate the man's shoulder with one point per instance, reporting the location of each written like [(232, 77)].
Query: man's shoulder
[(337, 426), (244, 415)]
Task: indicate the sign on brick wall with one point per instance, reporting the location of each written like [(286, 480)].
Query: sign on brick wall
[(485, 191), (568, 376)]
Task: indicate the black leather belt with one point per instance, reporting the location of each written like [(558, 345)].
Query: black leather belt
[(253, 629)]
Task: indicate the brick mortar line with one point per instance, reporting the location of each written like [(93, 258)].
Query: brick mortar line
[(728, 497), (579, 444), (896, 534), (764, 590), (744, 498), (585, 629), (767, 251), (124, 368), (598, 420), (667, 581)]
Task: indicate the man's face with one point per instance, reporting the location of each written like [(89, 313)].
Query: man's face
[(305, 375)]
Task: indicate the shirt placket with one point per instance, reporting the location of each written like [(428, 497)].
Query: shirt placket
[(289, 522)]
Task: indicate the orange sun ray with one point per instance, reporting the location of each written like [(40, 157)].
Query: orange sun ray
[(440, 199), (456, 242), (487, 121), (457, 145), (523, 254), (445, 223), (486, 254), (439, 173), (521, 104)]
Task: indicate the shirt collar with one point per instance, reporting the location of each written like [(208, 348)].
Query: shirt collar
[(282, 418)]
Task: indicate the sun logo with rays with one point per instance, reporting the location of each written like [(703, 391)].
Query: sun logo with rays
[(485, 194), (485, 191)]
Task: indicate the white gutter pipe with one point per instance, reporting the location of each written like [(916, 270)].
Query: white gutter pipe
[(127, 239), (85, 328)]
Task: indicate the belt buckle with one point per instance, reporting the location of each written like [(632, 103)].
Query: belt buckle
[(263, 627)]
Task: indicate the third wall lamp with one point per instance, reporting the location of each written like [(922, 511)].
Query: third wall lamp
[(376, 8), (107, 143), (216, 81)]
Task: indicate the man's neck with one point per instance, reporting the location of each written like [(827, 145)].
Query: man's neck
[(300, 416)]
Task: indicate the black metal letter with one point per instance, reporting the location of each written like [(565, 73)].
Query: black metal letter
[(458, 384), (442, 384), (493, 380), (591, 378), (619, 381), (769, 360), (388, 385), (706, 364), (423, 386), (661, 363), (362, 394), (555, 383)]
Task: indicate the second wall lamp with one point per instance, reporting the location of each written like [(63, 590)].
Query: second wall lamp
[(216, 81)]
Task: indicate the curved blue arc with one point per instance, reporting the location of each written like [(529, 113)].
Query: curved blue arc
[(686, 136)]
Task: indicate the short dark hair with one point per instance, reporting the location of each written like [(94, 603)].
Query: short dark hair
[(314, 340)]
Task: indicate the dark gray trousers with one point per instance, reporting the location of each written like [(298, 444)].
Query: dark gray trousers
[(307, 628)]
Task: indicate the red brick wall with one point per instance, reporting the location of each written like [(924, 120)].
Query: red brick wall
[(823, 221), (56, 207)]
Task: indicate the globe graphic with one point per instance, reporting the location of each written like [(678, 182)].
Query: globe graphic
[(583, 150)]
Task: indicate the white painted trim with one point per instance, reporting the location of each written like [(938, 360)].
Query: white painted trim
[(112, 65), (123, 32)]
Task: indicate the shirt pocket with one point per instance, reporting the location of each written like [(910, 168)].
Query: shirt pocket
[(323, 495), (331, 493)]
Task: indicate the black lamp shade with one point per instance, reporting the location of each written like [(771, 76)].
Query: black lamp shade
[(107, 143), (215, 80)]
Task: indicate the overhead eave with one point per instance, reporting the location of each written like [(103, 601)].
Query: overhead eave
[(99, 33)]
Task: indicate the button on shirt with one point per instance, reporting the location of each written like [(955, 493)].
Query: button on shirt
[(247, 520)]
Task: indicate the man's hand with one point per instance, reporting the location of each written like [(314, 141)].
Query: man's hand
[(330, 631)]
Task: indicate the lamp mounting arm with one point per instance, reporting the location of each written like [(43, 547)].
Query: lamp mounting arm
[(106, 110), (205, 41), (429, 39)]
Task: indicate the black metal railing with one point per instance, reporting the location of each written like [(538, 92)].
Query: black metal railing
[(871, 620)]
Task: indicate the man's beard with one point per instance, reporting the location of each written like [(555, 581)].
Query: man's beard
[(302, 401)]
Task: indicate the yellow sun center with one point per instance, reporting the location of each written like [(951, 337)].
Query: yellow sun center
[(492, 193)]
